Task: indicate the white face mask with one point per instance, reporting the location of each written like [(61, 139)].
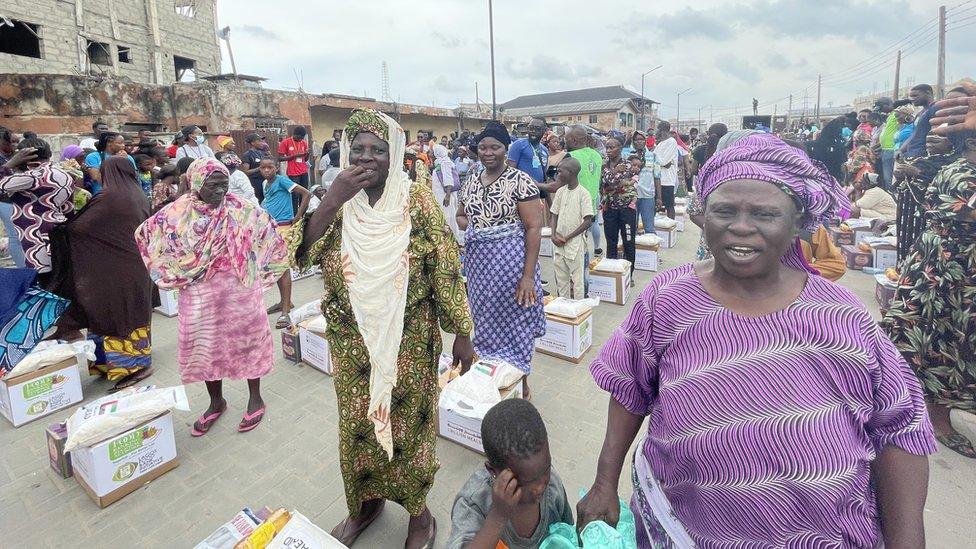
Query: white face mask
[(201, 140)]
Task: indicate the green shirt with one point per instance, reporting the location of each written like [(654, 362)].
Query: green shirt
[(889, 132), (591, 166)]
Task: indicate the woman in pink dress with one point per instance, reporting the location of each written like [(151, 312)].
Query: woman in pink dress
[(221, 252)]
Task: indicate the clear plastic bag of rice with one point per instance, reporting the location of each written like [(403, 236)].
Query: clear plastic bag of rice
[(613, 265), (570, 308), (648, 239), (53, 352), (119, 412)]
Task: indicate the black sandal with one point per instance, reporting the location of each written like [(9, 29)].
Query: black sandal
[(347, 539), (958, 444), (131, 379)]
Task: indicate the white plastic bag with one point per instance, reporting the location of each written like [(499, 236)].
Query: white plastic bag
[(114, 414), (613, 265), (648, 239), (661, 222), (500, 372), (316, 324), (301, 533), (53, 352), (570, 308), (546, 231), (308, 310), (471, 395)]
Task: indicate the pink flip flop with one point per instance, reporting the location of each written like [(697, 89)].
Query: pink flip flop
[(206, 422), (259, 414)]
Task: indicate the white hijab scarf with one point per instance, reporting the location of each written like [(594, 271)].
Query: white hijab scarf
[(376, 268)]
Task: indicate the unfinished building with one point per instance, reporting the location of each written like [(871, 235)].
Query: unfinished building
[(145, 41)]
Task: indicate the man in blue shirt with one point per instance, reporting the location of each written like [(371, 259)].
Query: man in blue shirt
[(922, 96), (278, 203), (529, 154)]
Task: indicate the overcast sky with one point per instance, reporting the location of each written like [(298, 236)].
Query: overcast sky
[(727, 52)]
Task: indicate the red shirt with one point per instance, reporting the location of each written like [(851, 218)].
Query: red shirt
[(288, 147)]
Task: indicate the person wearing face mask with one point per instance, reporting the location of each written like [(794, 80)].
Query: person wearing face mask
[(387, 262), (101, 272), (221, 252), (40, 195), (196, 144)]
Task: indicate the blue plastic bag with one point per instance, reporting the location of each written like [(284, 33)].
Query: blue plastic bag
[(596, 535)]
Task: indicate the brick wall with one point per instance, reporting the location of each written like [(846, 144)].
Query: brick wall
[(117, 23)]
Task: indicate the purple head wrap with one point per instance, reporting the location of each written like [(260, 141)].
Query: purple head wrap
[(71, 152), (764, 157)]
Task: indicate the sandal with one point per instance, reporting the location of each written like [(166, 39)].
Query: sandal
[(276, 308), (431, 534), (284, 321), (957, 443), (131, 379), (348, 538), (202, 425), (256, 417)]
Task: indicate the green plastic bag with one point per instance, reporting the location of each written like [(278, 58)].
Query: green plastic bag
[(596, 535)]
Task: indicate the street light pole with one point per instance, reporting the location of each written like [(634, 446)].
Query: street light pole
[(677, 117), (643, 128), (491, 41)]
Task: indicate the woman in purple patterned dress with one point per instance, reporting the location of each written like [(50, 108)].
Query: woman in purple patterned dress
[(780, 414)]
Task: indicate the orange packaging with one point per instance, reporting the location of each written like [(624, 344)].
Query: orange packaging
[(263, 534)]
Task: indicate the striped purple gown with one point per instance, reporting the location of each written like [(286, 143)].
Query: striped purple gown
[(762, 430)]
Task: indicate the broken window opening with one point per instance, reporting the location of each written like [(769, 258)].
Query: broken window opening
[(125, 54), (20, 38), (186, 69), (186, 8), (98, 53)]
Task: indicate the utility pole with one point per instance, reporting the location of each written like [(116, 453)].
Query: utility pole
[(677, 118), (940, 78), (789, 110), (897, 75), (711, 115), (643, 100), (491, 41), (816, 118)]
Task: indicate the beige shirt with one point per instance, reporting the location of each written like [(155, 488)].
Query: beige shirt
[(877, 203), (572, 206)]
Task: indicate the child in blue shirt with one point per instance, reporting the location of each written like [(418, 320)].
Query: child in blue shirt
[(278, 191)]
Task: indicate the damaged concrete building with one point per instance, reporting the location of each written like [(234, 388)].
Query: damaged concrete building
[(155, 65)]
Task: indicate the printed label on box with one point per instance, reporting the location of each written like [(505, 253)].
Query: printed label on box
[(315, 350), (545, 247), (645, 260), (169, 302), (38, 397)]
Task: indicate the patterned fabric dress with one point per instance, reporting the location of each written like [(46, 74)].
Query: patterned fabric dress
[(932, 319), (809, 395), (493, 262), (41, 197), (911, 197), (435, 294)]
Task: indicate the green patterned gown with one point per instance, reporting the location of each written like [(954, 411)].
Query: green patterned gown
[(435, 293), (932, 319)]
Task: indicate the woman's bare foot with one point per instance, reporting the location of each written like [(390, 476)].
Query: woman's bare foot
[(421, 531), (349, 530)]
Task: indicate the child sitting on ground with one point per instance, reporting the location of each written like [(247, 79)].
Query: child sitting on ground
[(572, 215), (513, 500)]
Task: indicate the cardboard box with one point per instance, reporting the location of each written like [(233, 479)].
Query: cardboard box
[(610, 287), (463, 426), (645, 257), (841, 238), (567, 338), (57, 434), (169, 303), (855, 258), (669, 237), (314, 350), (884, 291), (296, 275), (39, 393), (120, 465), (883, 253), (291, 346)]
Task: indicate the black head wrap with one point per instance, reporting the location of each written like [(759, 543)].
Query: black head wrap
[(497, 130)]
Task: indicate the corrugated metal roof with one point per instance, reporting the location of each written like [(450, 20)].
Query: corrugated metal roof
[(570, 108), (572, 96)]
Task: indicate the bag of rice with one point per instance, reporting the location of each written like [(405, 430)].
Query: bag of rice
[(53, 352), (114, 414)]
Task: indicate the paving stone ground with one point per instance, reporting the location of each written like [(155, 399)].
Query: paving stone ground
[(291, 459)]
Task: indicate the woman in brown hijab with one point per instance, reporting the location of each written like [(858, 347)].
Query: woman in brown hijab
[(103, 275)]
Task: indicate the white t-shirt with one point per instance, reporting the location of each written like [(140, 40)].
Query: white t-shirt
[(240, 185), (667, 152), (194, 151)]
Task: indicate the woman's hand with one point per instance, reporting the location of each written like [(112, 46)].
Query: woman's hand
[(21, 157), (463, 352), (959, 114), (525, 291), (905, 171), (347, 184), (600, 503)]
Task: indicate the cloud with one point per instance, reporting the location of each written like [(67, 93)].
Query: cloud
[(547, 67), (258, 31), (680, 25), (446, 41), (779, 61), (737, 67)]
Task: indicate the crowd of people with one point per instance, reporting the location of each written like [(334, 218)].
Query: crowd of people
[(827, 417)]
